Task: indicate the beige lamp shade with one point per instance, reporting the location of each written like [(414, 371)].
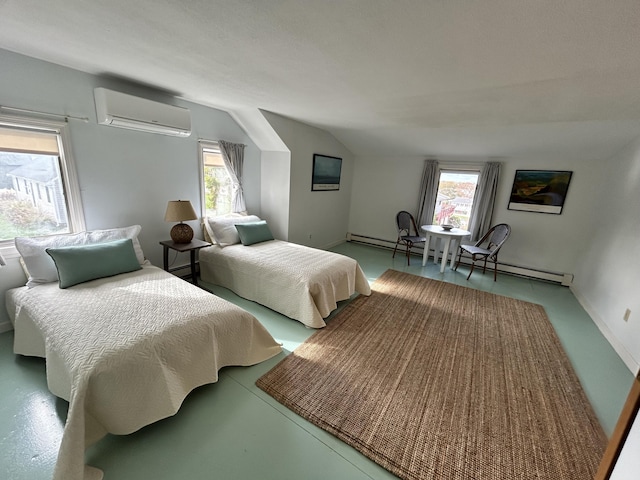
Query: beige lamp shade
[(179, 211)]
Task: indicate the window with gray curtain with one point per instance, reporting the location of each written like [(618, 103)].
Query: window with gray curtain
[(233, 156), (483, 204)]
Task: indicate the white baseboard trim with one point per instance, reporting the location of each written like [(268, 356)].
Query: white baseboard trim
[(620, 349), (565, 279), (332, 244)]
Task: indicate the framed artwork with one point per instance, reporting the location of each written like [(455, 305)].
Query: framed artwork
[(542, 191), (326, 173)]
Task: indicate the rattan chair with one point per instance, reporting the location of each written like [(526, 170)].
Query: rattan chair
[(406, 226), (486, 248)]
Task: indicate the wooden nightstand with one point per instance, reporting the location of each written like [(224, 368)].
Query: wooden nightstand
[(192, 247)]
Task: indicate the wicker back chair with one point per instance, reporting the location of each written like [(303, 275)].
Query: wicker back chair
[(407, 233), (486, 248)]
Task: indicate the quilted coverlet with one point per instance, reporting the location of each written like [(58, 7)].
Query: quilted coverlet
[(300, 282), (125, 351)]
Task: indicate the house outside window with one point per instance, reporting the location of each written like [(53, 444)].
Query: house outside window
[(38, 188), (216, 182), (454, 200)]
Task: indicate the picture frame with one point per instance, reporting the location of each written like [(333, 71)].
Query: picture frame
[(541, 191), (326, 173)]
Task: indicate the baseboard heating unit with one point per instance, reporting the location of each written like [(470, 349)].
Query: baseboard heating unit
[(565, 279)]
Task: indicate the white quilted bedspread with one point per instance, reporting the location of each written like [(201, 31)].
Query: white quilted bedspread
[(300, 282), (126, 350)]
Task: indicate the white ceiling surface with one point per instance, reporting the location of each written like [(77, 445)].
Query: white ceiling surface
[(403, 77)]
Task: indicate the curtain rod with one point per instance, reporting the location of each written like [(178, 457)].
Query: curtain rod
[(24, 110), (216, 141)]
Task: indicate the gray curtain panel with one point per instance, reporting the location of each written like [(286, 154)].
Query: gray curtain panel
[(428, 192), (482, 211), (233, 156)]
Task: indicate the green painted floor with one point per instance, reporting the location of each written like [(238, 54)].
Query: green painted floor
[(232, 430)]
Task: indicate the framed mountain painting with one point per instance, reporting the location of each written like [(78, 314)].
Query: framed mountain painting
[(542, 191)]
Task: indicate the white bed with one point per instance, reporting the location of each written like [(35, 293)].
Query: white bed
[(126, 350), (300, 282)]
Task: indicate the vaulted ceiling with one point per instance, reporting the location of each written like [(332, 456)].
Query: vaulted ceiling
[(404, 77)]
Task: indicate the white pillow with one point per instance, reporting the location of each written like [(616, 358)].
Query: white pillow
[(223, 229), (103, 236), (208, 229), (40, 266)]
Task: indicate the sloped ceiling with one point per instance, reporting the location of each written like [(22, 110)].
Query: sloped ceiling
[(403, 77)]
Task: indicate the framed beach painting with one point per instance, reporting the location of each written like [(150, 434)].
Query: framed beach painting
[(326, 173), (542, 191)]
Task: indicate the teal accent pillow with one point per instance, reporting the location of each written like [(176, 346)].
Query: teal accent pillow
[(81, 263), (254, 232)]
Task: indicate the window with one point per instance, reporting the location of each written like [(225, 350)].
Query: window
[(38, 188), (216, 182), (456, 191)]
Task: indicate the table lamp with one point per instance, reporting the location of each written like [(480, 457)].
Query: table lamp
[(179, 211)]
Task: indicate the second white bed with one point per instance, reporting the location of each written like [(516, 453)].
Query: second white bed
[(300, 282)]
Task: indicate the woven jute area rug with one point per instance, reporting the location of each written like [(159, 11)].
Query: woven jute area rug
[(436, 381)]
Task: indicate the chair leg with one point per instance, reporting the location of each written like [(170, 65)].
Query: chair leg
[(495, 271), (484, 268), (473, 264), (459, 257), (408, 254), (395, 248)]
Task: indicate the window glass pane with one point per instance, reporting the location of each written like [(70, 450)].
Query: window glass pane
[(32, 200), (456, 191), (217, 184)]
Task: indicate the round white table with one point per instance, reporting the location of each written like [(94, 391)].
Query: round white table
[(449, 237)]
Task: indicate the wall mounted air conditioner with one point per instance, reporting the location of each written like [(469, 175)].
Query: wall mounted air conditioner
[(126, 111)]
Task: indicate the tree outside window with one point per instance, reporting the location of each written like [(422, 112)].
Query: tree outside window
[(217, 184)]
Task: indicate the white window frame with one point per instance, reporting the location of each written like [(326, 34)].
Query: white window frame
[(458, 168), (68, 173)]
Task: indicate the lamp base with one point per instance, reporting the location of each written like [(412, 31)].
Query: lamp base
[(181, 233)]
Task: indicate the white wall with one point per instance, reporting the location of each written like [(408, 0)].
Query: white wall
[(383, 186), (125, 177), (608, 277), (275, 198), (317, 219)]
